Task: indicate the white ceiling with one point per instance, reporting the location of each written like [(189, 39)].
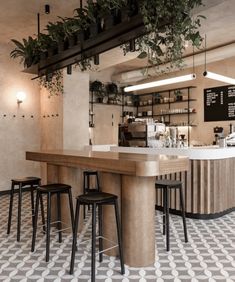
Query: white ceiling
[(18, 19)]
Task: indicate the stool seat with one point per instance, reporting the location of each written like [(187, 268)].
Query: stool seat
[(97, 197), (168, 183), (32, 182), (54, 188), (26, 180)]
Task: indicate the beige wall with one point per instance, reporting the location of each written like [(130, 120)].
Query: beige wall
[(18, 133), (76, 110)]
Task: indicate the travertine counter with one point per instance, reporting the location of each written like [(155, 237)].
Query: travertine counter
[(132, 178)]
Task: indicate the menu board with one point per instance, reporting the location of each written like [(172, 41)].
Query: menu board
[(219, 103)]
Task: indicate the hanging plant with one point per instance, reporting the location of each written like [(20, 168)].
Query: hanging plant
[(28, 51), (169, 25), (53, 83)]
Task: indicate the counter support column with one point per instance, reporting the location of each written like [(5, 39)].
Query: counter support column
[(138, 220)]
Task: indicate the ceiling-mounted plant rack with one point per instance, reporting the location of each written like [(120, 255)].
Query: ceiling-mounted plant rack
[(115, 35)]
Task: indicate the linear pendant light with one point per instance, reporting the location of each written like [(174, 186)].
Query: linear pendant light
[(219, 77), (167, 81)]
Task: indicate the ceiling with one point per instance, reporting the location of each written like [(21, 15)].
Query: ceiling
[(18, 19)]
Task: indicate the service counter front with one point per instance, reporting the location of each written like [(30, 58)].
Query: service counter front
[(209, 185), (131, 177)]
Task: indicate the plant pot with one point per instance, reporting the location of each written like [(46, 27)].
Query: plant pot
[(52, 51), (117, 17), (108, 21), (43, 55), (125, 14), (72, 40), (60, 46), (99, 100), (94, 29), (179, 98), (133, 8)]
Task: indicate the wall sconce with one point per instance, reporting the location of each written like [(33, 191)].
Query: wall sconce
[(20, 97)]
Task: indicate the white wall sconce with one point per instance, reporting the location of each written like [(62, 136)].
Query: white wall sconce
[(20, 97)]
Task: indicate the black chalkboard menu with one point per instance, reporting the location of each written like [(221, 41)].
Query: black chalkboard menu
[(219, 103)]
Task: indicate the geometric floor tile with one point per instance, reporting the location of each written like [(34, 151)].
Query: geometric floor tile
[(208, 256)]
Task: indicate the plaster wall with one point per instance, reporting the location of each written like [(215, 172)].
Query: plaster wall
[(76, 110), (19, 125)]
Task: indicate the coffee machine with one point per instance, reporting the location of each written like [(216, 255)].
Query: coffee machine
[(219, 134)]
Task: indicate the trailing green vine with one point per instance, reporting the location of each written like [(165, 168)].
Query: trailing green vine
[(53, 83)]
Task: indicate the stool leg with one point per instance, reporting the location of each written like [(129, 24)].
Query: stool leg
[(10, 208), (19, 213), (84, 192), (32, 203), (164, 211), (98, 182), (42, 214), (35, 222), (167, 221), (119, 237), (100, 218), (48, 226), (183, 215), (71, 208), (75, 231), (58, 224), (93, 242)]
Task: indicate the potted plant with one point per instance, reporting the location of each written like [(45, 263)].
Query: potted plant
[(57, 34), (178, 95), (157, 98), (98, 88), (28, 51)]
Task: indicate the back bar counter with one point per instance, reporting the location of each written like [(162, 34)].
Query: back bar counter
[(209, 185), (128, 175)]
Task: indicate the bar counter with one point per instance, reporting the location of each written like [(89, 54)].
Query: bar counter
[(209, 185), (128, 175)]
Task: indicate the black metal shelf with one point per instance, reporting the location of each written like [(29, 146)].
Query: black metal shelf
[(166, 103), (171, 114)]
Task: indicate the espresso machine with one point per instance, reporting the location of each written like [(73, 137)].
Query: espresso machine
[(219, 134)]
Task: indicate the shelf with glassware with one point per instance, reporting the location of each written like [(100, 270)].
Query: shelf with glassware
[(167, 106)]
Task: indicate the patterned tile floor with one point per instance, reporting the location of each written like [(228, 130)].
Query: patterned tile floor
[(209, 255)]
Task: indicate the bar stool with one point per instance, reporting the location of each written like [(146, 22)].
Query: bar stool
[(166, 185), (87, 175), (96, 199), (24, 182), (49, 190)]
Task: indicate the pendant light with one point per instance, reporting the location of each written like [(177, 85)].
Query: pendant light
[(219, 77), (167, 81), (216, 76)]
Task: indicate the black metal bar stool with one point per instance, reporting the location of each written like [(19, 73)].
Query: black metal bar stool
[(87, 177), (96, 199), (32, 183), (166, 185), (49, 190)]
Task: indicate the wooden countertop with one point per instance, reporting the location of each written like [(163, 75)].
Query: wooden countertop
[(115, 162)]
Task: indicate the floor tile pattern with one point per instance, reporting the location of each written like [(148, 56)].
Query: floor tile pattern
[(209, 255)]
